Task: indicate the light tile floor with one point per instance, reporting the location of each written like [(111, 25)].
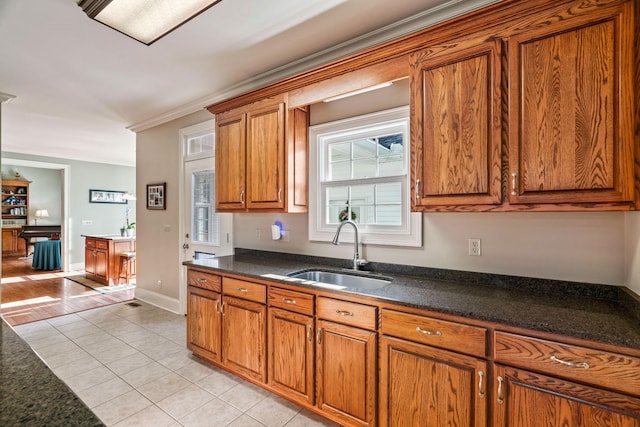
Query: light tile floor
[(130, 365)]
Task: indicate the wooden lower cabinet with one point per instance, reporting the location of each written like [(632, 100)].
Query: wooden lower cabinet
[(204, 323), (527, 399), (11, 243), (96, 263), (346, 373), (102, 258), (422, 385), (244, 338), (291, 355)]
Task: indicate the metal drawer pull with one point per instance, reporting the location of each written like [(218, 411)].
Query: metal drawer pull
[(310, 334), (481, 384), (288, 300), (222, 308), (500, 398), (319, 336), (344, 313), (584, 365), (201, 280), (218, 307), (242, 197), (514, 185), (428, 332), (242, 290)]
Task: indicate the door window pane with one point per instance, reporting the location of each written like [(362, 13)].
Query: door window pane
[(205, 220)]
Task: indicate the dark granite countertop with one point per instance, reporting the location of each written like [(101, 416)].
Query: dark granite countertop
[(30, 393), (602, 313)]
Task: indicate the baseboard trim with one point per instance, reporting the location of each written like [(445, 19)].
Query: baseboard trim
[(159, 300)]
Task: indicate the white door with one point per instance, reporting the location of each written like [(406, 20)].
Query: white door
[(206, 232)]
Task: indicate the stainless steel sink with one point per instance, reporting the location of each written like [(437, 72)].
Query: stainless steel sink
[(341, 279)]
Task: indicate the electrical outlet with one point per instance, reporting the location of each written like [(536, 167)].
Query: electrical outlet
[(258, 234), (160, 284), (475, 248), (285, 235), (87, 222)]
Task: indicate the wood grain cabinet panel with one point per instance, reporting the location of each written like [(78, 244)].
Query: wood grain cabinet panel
[(597, 367), (571, 110), (456, 125), (261, 158), (230, 161), (346, 373), (292, 355), (244, 338), (421, 385), (349, 313), (204, 323), (204, 280), (525, 399), (435, 332)]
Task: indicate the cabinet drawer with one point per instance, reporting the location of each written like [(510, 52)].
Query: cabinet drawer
[(90, 243), (610, 370), (203, 280), (349, 313), (291, 300), (102, 244), (438, 333), (245, 290)]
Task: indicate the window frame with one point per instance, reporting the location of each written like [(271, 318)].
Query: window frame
[(409, 233)]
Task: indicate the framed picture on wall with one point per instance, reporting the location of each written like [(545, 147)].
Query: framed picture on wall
[(156, 196), (107, 196)]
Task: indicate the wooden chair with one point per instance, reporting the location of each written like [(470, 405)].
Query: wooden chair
[(127, 269)]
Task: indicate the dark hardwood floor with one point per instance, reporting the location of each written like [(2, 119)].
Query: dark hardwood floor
[(29, 295)]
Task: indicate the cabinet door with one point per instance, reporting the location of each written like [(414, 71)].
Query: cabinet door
[(204, 325), (291, 354), (346, 373), (456, 126), (421, 385), (265, 157), (90, 260), (9, 244), (525, 399), (101, 263), (230, 161), (244, 337), (571, 110)]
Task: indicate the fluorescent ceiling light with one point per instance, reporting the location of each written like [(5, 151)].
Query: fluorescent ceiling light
[(144, 20), (359, 91)]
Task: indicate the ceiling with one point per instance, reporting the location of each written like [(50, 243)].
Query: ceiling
[(83, 89)]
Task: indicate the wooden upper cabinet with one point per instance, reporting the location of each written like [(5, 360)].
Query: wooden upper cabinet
[(261, 158), (230, 161), (571, 110), (456, 125), (265, 157)]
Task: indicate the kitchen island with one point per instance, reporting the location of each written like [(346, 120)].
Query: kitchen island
[(102, 256)]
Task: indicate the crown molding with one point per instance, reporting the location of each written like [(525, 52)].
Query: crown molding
[(420, 21), (6, 98)]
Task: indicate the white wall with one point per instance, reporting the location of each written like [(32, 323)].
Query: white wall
[(158, 251), (584, 247), (632, 251)]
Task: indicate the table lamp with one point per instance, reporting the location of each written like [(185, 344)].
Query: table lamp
[(41, 213)]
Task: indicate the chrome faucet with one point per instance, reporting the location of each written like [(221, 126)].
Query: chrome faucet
[(357, 262)]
